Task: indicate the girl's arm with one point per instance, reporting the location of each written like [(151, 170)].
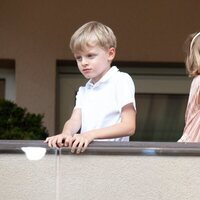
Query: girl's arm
[(198, 96)]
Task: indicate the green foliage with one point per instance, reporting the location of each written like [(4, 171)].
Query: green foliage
[(18, 124)]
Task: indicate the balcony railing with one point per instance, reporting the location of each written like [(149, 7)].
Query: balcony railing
[(107, 170)]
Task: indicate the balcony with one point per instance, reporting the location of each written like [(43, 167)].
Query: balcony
[(107, 170)]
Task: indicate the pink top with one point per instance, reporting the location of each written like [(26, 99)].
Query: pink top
[(191, 131)]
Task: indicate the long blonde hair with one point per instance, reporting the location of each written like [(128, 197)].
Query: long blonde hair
[(192, 47)]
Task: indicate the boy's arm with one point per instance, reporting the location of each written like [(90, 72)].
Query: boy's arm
[(71, 127), (125, 128)]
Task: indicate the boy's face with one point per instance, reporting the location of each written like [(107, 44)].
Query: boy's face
[(94, 61)]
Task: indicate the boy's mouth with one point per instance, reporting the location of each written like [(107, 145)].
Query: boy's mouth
[(86, 71)]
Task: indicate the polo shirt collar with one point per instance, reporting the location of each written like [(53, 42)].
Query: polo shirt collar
[(104, 79)]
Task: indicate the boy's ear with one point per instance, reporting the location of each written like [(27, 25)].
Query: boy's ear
[(111, 53)]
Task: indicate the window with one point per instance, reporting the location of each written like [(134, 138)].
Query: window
[(161, 97), (2, 88), (7, 77), (160, 117)]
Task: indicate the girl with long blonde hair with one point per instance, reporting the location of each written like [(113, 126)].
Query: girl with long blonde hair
[(191, 131)]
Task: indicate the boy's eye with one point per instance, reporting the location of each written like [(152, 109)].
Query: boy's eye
[(91, 55), (78, 58)]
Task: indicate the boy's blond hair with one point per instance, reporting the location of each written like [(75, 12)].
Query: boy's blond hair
[(93, 33), (192, 47)]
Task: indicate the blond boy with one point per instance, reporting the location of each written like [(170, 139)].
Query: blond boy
[(105, 106)]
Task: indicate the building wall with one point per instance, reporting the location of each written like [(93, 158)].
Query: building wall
[(36, 34), (99, 177)]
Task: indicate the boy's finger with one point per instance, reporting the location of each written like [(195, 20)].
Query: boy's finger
[(60, 141), (84, 146), (47, 139), (74, 146), (71, 141), (79, 147)]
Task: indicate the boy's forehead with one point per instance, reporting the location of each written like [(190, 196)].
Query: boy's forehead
[(87, 48), (84, 42), (85, 45)]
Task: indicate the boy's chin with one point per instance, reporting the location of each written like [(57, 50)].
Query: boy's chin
[(88, 77)]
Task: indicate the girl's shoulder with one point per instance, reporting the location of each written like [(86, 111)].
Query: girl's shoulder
[(197, 78), (196, 81)]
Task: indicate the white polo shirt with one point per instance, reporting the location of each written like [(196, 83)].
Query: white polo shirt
[(101, 103)]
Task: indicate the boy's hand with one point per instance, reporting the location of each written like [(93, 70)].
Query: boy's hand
[(59, 140), (80, 142)]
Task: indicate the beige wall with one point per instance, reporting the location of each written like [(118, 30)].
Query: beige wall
[(119, 177), (36, 33)]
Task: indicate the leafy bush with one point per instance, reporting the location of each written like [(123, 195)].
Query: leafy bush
[(18, 124)]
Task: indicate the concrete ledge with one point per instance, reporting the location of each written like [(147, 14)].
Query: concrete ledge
[(107, 170), (118, 148)]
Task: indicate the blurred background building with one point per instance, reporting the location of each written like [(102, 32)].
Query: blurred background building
[(37, 70)]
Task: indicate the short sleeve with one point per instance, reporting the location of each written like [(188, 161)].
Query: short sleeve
[(195, 91), (79, 97), (125, 90)]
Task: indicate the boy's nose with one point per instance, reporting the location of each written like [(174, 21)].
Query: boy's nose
[(84, 61)]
